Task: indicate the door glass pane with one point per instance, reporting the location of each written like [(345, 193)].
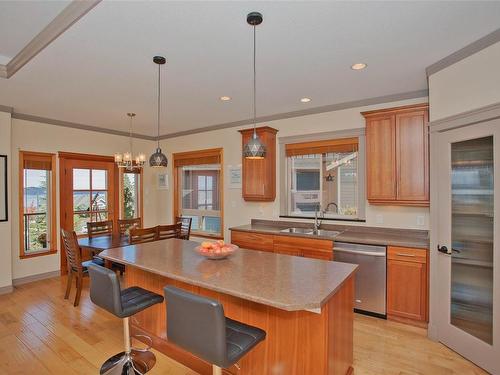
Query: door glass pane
[(472, 237), (81, 200), (98, 179), (99, 200), (81, 179)]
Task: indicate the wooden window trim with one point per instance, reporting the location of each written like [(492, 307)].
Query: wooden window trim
[(209, 154), (140, 192), (322, 147), (53, 224)]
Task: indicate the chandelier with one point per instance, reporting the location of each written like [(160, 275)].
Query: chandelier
[(126, 160)]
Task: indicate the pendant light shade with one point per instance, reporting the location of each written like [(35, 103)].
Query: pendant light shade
[(158, 159), (254, 149)]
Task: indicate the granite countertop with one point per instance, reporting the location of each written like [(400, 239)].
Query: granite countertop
[(282, 281), (349, 233)]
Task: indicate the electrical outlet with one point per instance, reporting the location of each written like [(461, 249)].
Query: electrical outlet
[(420, 220), (379, 219)]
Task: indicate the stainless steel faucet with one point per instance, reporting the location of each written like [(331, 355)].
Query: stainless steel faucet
[(317, 220)]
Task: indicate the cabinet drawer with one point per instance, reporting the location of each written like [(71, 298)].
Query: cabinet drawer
[(407, 254), (253, 241)]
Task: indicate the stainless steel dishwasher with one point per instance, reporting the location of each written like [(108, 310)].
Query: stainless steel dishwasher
[(370, 279)]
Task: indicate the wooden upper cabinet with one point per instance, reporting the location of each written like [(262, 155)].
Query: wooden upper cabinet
[(259, 175), (397, 156), (381, 157)]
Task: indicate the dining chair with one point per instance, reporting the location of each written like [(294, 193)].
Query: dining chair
[(169, 231), (186, 226), (99, 228), (75, 264), (139, 235), (124, 225)]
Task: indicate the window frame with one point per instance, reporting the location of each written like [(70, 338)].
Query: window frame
[(42, 156), (199, 156), (140, 194), (326, 136)]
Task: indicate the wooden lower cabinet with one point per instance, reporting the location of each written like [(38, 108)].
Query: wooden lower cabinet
[(407, 285), (298, 246)]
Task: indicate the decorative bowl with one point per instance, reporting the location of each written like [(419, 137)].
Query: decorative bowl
[(216, 252)]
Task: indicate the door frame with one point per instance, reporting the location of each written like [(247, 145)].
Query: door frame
[(65, 159), (481, 115)]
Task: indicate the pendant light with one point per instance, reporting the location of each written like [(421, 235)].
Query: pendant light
[(254, 149), (158, 159)]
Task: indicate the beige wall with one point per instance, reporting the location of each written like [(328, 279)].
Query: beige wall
[(33, 136), (470, 84), (237, 211), (5, 226)]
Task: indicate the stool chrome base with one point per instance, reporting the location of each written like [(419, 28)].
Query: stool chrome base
[(133, 363)]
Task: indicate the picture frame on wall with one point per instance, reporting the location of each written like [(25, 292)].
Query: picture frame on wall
[(4, 200), (162, 181)]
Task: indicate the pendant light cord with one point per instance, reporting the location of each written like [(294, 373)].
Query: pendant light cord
[(131, 150), (254, 87), (158, 115)]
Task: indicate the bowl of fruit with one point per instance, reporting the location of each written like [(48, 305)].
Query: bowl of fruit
[(215, 250)]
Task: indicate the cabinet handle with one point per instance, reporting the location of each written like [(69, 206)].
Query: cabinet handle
[(405, 255)]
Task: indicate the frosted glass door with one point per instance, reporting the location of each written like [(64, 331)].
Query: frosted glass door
[(472, 237), (468, 262)]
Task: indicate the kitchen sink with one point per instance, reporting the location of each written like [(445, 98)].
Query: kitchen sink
[(311, 232), (297, 230)]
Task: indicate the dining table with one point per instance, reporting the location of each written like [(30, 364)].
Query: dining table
[(97, 244)]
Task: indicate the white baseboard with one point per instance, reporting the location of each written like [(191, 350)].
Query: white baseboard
[(32, 278), (6, 289)]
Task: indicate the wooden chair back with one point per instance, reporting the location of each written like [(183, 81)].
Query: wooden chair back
[(72, 249), (124, 225), (169, 231), (99, 228), (139, 235), (185, 226)]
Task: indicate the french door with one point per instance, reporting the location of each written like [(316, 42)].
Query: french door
[(88, 193), (469, 254)]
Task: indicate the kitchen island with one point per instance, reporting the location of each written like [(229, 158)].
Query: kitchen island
[(304, 305)]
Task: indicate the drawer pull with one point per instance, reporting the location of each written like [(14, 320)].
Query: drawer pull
[(405, 255)]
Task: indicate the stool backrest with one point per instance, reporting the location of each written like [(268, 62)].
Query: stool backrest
[(169, 231), (105, 289), (196, 324)]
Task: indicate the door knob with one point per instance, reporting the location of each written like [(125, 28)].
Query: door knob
[(444, 250)]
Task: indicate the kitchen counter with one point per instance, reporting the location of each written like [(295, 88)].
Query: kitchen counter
[(281, 281), (349, 233), (300, 303)]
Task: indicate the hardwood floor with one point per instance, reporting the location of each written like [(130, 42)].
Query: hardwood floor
[(41, 333)]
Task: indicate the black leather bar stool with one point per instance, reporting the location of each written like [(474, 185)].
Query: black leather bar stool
[(106, 293), (198, 325)]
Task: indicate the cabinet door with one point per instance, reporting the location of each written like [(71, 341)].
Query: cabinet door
[(412, 149), (381, 158), (407, 283), (318, 254), (252, 241), (306, 247)]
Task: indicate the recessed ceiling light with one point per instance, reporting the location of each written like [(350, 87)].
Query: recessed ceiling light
[(225, 98), (358, 66), (305, 100)]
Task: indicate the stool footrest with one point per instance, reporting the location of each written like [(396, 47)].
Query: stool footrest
[(149, 344)]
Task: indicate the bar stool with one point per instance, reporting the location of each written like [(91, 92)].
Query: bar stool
[(106, 293), (198, 325)]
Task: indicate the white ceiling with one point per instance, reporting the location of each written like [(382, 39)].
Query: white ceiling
[(101, 67), (21, 21)]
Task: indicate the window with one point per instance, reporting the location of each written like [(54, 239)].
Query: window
[(323, 176), (90, 197), (37, 212), (131, 194), (198, 187)]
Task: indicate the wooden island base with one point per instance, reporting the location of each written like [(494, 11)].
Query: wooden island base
[(297, 342)]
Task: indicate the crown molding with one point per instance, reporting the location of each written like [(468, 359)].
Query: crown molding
[(305, 112), (465, 52), (5, 108), (73, 125), (474, 116), (63, 21)]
